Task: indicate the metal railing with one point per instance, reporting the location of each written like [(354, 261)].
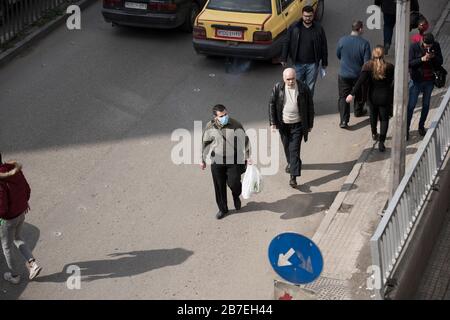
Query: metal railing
[(16, 15), (391, 235)]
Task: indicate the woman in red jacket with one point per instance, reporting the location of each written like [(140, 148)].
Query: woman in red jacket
[(14, 196)]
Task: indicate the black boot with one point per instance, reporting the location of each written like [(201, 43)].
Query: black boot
[(381, 145), (237, 203), (293, 182), (375, 136), (288, 168)]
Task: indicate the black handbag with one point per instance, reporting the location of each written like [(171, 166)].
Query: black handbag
[(440, 76)]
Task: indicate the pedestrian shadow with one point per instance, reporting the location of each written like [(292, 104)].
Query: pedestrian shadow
[(380, 156), (359, 125), (342, 170), (123, 264), (8, 291), (294, 206)]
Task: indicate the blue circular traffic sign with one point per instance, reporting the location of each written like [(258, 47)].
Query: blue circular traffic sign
[(295, 258)]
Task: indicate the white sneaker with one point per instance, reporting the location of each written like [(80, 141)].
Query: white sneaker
[(9, 277), (34, 269)]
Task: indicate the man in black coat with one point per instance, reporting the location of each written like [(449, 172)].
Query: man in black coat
[(389, 8), (424, 58), (291, 111), (312, 52)]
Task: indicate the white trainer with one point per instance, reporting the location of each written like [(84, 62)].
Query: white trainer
[(10, 278), (34, 269)]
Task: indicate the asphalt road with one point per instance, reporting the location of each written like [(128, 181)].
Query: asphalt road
[(90, 115)]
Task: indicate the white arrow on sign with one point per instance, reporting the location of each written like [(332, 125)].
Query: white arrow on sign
[(283, 259)]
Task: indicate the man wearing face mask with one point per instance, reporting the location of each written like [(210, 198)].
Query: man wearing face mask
[(229, 145), (291, 111)]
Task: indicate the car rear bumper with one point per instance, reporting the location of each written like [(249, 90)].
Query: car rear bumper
[(239, 50), (149, 20)]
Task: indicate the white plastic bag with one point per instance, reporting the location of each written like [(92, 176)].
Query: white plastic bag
[(252, 182)]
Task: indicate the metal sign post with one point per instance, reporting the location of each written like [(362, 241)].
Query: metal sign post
[(400, 93)]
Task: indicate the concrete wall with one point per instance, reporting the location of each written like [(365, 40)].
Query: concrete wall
[(412, 265)]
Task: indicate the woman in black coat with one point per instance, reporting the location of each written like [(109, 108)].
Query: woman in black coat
[(378, 74)]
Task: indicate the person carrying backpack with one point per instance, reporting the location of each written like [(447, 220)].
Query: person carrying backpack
[(14, 197)]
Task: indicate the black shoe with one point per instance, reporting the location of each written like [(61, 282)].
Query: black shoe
[(343, 125), (288, 169), (220, 215), (237, 203), (293, 182), (422, 131), (386, 49), (375, 136), (381, 146), (362, 113)]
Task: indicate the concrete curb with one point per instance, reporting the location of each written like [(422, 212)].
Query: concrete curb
[(346, 187), (351, 178), (35, 36)]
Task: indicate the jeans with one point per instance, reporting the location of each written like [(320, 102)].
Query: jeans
[(10, 233), (345, 86), (291, 137), (307, 73), (426, 87), (388, 29)]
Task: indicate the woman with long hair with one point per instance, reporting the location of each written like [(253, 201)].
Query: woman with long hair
[(378, 74)]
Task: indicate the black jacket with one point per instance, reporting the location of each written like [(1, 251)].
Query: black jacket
[(390, 6), (304, 102), (290, 45), (416, 52)]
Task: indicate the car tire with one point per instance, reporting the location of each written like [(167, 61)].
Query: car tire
[(189, 20), (320, 9)]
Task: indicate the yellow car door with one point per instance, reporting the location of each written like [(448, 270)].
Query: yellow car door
[(291, 11)]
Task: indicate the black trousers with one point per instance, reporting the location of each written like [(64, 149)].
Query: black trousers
[(345, 86), (291, 138), (379, 112), (223, 175)]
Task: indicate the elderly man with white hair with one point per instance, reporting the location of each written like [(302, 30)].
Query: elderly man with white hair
[(291, 111)]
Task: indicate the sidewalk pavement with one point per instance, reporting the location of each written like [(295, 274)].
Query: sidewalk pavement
[(37, 33), (344, 233)]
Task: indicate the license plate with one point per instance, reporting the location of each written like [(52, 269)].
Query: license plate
[(229, 34), (135, 5)]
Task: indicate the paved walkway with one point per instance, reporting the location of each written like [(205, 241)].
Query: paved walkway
[(344, 234)]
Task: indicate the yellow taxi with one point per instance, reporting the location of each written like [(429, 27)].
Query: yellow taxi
[(253, 29)]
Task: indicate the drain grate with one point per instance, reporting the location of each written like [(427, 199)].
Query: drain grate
[(329, 289)]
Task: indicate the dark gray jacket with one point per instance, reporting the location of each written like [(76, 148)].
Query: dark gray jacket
[(416, 52)]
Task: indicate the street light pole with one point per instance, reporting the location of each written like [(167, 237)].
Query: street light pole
[(400, 93)]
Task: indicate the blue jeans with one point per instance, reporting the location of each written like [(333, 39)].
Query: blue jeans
[(11, 234), (307, 73), (415, 88)]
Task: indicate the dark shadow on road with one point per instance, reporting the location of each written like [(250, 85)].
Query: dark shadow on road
[(359, 125), (294, 206), (342, 170), (9, 291), (123, 264), (376, 155)]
